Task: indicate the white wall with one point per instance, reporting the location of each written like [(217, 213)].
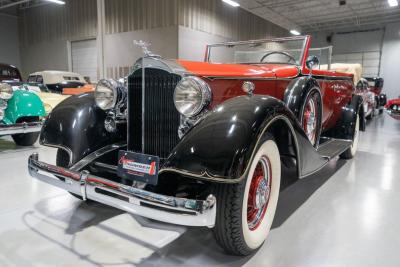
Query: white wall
[(9, 41), (52, 55), (350, 42), (390, 65), (120, 52), (388, 39), (192, 43)]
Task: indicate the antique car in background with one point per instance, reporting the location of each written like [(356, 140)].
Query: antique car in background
[(392, 108), (57, 81), (9, 72), (50, 100), (205, 143), (376, 86), (369, 100), (361, 84), (21, 112)]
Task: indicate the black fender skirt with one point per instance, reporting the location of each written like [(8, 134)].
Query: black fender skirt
[(77, 126), (221, 146)]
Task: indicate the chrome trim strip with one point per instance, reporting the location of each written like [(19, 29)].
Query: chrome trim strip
[(181, 211), (20, 128), (143, 104), (96, 154)]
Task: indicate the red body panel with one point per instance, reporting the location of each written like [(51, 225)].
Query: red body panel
[(225, 81)]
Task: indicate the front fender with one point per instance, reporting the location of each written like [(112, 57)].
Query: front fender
[(77, 126), (23, 104), (220, 147)]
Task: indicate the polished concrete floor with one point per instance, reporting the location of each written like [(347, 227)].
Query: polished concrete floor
[(348, 214)]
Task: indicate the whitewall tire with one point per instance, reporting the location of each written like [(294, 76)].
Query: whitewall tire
[(246, 210), (352, 150)]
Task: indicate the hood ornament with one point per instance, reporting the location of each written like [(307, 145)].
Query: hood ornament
[(145, 48)]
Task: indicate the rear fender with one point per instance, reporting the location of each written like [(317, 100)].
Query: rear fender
[(23, 104), (345, 128), (221, 146), (77, 126)]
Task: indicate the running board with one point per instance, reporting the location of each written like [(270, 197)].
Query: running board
[(333, 148)]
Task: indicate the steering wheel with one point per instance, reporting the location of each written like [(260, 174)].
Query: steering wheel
[(291, 58)]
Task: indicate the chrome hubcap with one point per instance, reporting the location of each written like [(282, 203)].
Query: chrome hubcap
[(259, 193)]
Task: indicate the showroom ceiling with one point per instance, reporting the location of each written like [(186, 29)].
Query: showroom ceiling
[(320, 15)]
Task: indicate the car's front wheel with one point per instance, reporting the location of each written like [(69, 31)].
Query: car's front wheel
[(245, 211)]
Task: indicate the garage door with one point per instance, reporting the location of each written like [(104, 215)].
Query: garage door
[(370, 61), (84, 58)]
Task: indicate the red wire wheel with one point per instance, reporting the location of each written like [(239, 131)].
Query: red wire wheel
[(259, 193), (310, 119)]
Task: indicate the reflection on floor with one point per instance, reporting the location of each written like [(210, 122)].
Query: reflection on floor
[(345, 215)]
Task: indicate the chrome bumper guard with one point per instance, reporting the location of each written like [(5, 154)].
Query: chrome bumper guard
[(163, 208), (20, 128)]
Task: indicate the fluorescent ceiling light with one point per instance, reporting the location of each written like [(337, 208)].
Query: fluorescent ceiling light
[(56, 2), (232, 3), (294, 32), (393, 3)]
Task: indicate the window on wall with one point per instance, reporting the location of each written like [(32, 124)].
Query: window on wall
[(370, 61)]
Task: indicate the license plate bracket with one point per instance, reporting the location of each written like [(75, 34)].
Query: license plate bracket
[(138, 167)]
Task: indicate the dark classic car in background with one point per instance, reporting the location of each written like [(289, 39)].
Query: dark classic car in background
[(9, 72), (376, 86), (205, 143)]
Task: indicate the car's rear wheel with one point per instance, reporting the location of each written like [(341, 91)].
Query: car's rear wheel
[(311, 116), (27, 139), (245, 211), (371, 115), (352, 150)]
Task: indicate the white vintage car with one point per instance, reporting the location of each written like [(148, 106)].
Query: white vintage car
[(56, 81)]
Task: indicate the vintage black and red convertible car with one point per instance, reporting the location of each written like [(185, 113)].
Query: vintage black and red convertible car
[(205, 143)]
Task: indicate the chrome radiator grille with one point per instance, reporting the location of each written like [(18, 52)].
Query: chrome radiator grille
[(152, 129)]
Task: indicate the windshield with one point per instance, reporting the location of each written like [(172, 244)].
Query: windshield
[(278, 51), (324, 55), (33, 87)]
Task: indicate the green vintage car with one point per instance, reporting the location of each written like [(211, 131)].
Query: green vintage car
[(21, 113)]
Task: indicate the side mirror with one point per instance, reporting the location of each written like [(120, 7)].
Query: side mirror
[(312, 61)]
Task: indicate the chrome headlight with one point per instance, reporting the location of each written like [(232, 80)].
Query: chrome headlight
[(106, 94), (191, 96), (6, 91)]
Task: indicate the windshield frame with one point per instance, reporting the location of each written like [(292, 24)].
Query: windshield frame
[(303, 54)]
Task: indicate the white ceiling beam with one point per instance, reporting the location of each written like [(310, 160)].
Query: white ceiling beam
[(14, 4)]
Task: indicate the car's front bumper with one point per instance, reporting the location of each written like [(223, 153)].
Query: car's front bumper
[(20, 128), (159, 207)]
